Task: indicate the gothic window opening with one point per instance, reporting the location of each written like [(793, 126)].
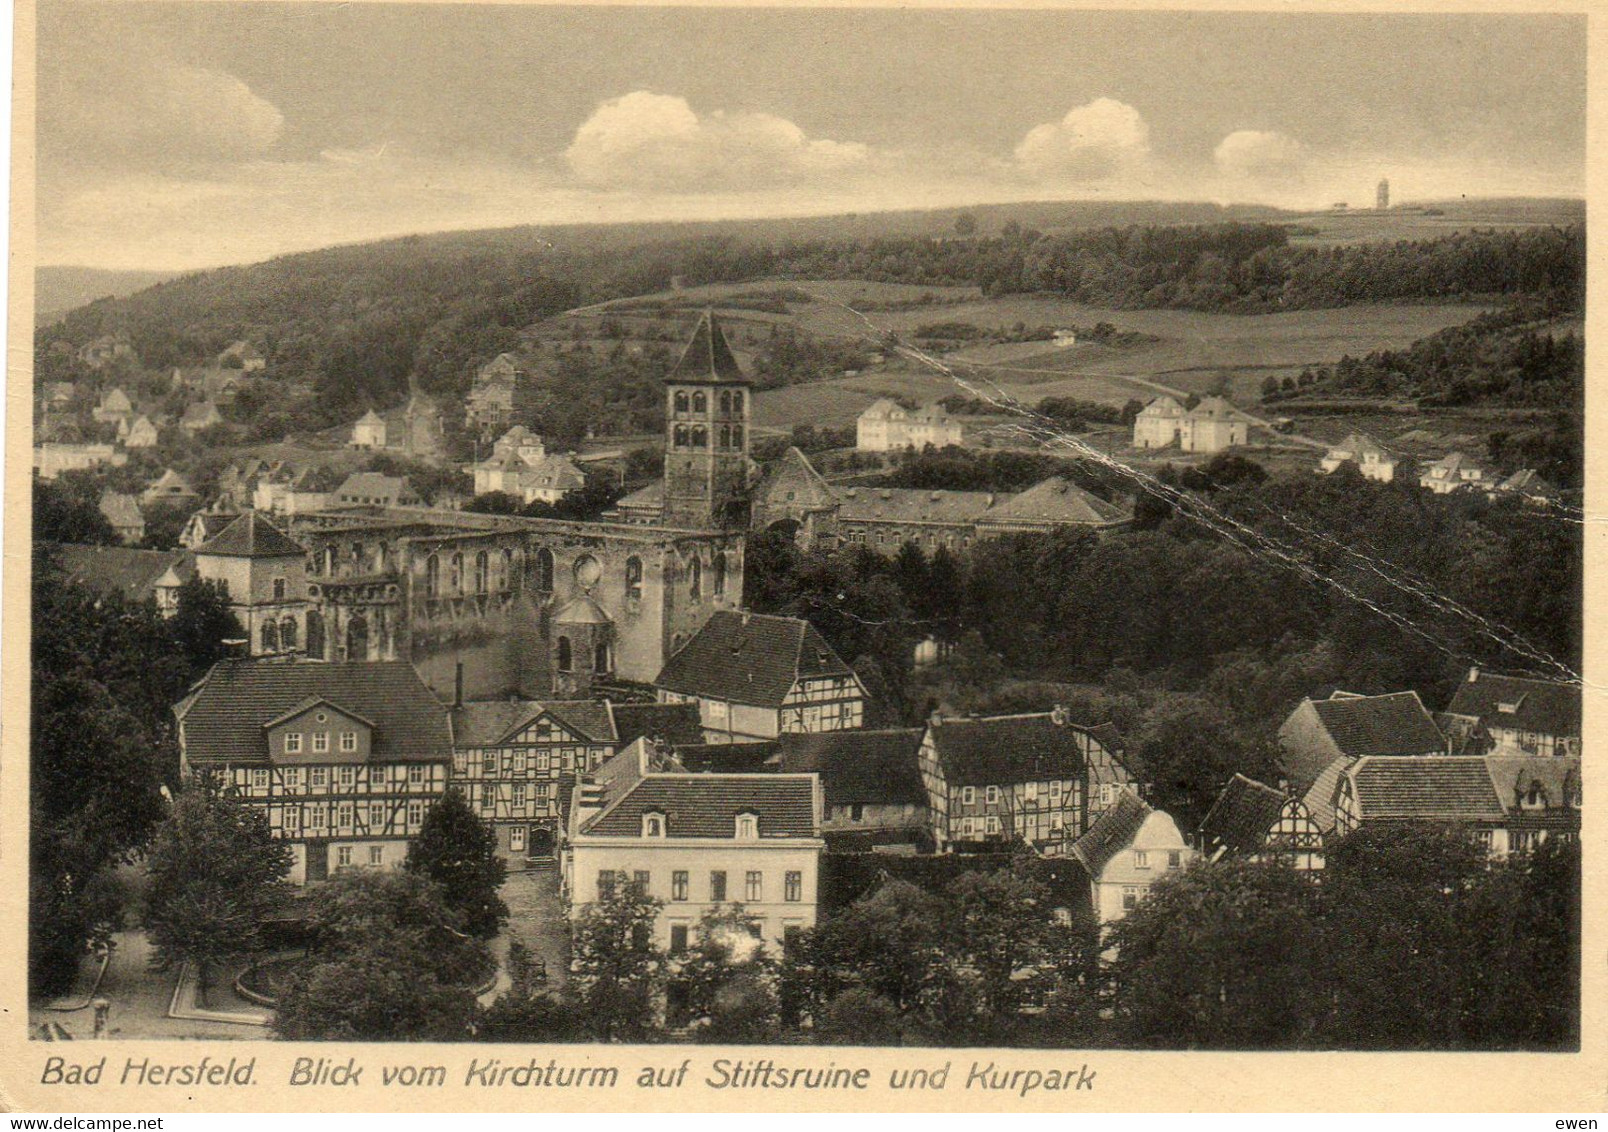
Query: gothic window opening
[(357, 638), (287, 633), (700, 437), (315, 634), (720, 573), (505, 581), (700, 403), (633, 579), (680, 436), (565, 657), (736, 400), (270, 636), (455, 578), (736, 436), (681, 401), (695, 580), (432, 576), (544, 570), (481, 566), (279, 589), (725, 402), (600, 657)]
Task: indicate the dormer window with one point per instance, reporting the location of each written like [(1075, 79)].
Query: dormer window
[(653, 825), (747, 827), (1534, 798), (293, 741), (1509, 707)]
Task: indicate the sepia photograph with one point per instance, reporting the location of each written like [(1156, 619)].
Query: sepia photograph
[(938, 528)]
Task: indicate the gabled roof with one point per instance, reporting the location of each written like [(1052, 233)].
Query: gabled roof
[(1558, 776), (494, 723), (649, 498), (590, 719), (1241, 817), (171, 483), (370, 418), (1215, 408), (1112, 832), (311, 702), (700, 805), (1528, 482), (374, 485), (1451, 464), (1009, 748), (881, 409), (1543, 706), (223, 719), (117, 569), (1453, 788), (1163, 406), (1319, 797), (793, 480), (877, 768), (251, 536), (729, 758), (707, 357), (676, 724), (914, 505), (1392, 724), (1056, 500), (750, 658), (121, 509), (1358, 444)]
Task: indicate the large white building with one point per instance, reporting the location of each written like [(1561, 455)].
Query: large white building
[(1126, 851), (887, 426), (1211, 426), (697, 842), (1373, 460)]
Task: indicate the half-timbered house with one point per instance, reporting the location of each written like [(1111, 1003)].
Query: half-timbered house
[(1254, 820), (1127, 850), (345, 759)]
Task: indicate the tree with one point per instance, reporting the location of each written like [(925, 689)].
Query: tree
[(527, 1011), (214, 870), (62, 514), (1225, 955), (1189, 747), (860, 1017), (1003, 925), (727, 981), (890, 942), (390, 963), (203, 622), (615, 968), (458, 850)]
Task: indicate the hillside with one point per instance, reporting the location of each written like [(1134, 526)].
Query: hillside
[(58, 290)]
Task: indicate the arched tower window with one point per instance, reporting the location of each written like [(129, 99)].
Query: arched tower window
[(679, 436), (565, 659), (432, 576), (455, 578), (633, 578), (736, 436), (725, 436), (725, 402), (279, 589), (270, 636), (600, 657), (357, 638), (700, 437), (544, 570), (681, 400), (695, 580), (700, 402), (736, 400), (481, 566), (385, 556), (287, 633)]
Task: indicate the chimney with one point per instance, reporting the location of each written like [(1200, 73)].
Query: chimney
[(457, 686)]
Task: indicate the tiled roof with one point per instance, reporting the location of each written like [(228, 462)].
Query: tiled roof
[(1392, 724), (171, 483), (1529, 482), (708, 357), (121, 509), (730, 758), (1163, 407), (881, 409), (676, 724), (875, 768), (793, 481), (251, 536), (482, 723), (1558, 776), (1215, 408), (1437, 789), (373, 485), (1056, 500), (589, 719), (1358, 444), (1008, 748), (749, 658), (223, 720), (1319, 797), (914, 505), (649, 498), (1242, 815), (1112, 832), (701, 805), (120, 569), (1539, 705)]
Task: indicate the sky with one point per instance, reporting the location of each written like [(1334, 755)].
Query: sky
[(180, 136)]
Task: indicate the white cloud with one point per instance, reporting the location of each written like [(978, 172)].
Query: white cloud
[(647, 141), (1261, 155), (1093, 142)]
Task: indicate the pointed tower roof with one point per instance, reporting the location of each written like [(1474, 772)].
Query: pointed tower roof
[(252, 537), (708, 358)]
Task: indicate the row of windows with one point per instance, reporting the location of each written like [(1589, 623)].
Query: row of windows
[(320, 743), (313, 816), (321, 776), (1141, 859), (489, 574), (601, 658), (1029, 791), (495, 763), (279, 636), (727, 437), (883, 537), (731, 401), (680, 884), (540, 791), (657, 824)]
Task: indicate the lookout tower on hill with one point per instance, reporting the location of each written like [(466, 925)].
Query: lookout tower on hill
[(707, 401), (1382, 195)]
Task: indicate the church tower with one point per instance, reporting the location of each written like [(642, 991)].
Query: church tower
[(707, 403)]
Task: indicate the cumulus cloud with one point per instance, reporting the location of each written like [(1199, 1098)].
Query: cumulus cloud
[(1261, 155), (649, 141), (1093, 142)]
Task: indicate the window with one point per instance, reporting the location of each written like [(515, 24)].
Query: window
[(700, 402), (640, 881), (488, 764), (1175, 858), (505, 582), (633, 579), (652, 825), (754, 886), (544, 570), (292, 819), (376, 856), (681, 401), (315, 816), (293, 742), (279, 589), (695, 580), (455, 576), (679, 436), (1130, 897), (287, 633), (717, 887), (516, 839), (993, 825), (856, 812), (259, 779), (415, 814), (678, 939), (318, 776), (1030, 792), (481, 570), (293, 776), (600, 657), (320, 742), (518, 798), (747, 827), (736, 401), (968, 795), (270, 636), (378, 818), (488, 800), (1141, 859), (678, 885), (991, 795), (605, 883), (348, 776), (793, 886), (519, 762), (566, 657), (343, 857), (416, 774), (432, 576), (1521, 840), (725, 402), (700, 437), (344, 815), (1108, 793), (736, 436), (720, 573)]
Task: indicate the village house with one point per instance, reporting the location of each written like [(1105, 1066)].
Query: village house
[(887, 426), (100, 352), (1037, 778), (51, 460), (1512, 715), (141, 433), (171, 488), (198, 416), (1452, 472), (122, 511), (520, 466), (872, 781), (1158, 423), (794, 498), (208, 523), (1372, 459), (1527, 486), (266, 574), (113, 408), (1319, 731), (1213, 425), (344, 759), (1250, 819), (371, 489), (288, 490), (1510, 803), (1125, 851), (136, 575), (369, 431), (756, 676), (696, 842), (500, 394)]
